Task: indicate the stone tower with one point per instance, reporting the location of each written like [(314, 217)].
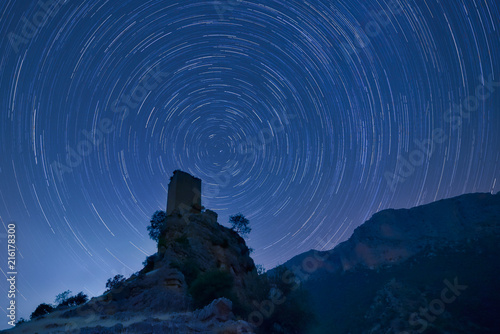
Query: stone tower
[(184, 193)]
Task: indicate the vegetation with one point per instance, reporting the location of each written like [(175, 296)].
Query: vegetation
[(157, 225), (42, 309), (115, 282), (79, 299), (292, 313), (62, 297), (212, 285), (65, 299), (183, 240), (343, 301), (189, 268), (240, 224), (148, 264)]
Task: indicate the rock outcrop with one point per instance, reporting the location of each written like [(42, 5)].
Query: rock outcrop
[(197, 241), (216, 317)]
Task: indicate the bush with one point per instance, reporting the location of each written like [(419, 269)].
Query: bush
[(148, 264), (211, 285), (42, 309), (79, 299), (62, 297), (115, 282), (157, 225), (183, 240)]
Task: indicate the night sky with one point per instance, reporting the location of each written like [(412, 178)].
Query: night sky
[(305, 116)]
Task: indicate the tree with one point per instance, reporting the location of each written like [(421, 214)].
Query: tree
[(41, 309), (148, 264), (115, 281), (62, 297), (79, 299), (157, 226), (240, 224)]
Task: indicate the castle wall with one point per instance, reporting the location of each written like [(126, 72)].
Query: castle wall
[(184, 193)]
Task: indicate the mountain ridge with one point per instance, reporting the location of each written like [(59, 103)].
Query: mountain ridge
[(384, 239)]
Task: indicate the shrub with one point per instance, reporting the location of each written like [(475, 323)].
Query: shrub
[(42, 309), (79, 299), (148, 264), (157, 225), (62, 297), (183, 240), (115, 282), (211, 285)]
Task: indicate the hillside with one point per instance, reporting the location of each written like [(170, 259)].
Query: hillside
[(389, 277)]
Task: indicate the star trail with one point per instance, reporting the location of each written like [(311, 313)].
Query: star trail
[(306, 116)]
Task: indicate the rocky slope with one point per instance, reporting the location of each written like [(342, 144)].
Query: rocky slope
[(214, 318)]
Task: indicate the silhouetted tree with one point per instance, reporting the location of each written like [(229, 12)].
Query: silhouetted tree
[(148, 264), (115, 281), (41, 309), (157, 226), (79, 299), (62, 297), (240, 224)]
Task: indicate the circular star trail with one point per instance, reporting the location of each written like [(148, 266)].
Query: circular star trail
[(307, 117)]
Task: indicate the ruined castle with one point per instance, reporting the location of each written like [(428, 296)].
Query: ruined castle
[(184, 193)]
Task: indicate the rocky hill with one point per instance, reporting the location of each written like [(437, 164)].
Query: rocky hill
[(160, 298)]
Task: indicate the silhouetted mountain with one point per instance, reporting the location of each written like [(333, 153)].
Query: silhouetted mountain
[(389, 277)]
